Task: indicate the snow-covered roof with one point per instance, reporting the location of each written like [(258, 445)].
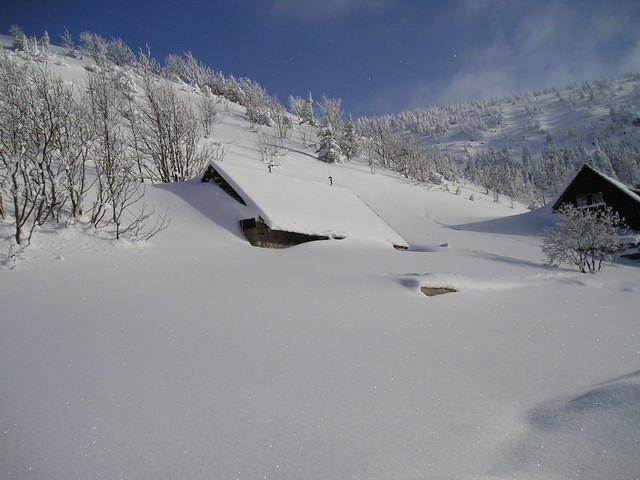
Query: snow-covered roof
[(309, 207), (616, 183)]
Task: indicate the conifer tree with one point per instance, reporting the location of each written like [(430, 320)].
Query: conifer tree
[(329, 150), (68, 43), (45, 42), (350, 143), (18, 37), (308, 111)]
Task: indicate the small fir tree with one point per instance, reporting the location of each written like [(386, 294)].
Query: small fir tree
[(329, 150), (308, 114), (351, 140), (45, 42), (18, 37)]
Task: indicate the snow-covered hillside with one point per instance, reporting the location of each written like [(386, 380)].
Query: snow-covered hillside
[(535, 142), (579, 113), (196, 355)]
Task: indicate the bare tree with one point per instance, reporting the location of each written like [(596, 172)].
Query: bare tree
[(95, 46), (113, 165), (167, 133), (50, 103), (371, 155), (119, 52), (119, 196), (49, 133), (34, 111), (74, 144), (298, 107), (304, 136), (584, 237), (282, 123), (208, 113), (270, 146), (258, 103), (19, 184), (216, 152)]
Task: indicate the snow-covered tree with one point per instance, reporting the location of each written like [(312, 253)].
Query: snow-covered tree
[(20, 190), (328, 148), (67, 39), (303, 108), (584, 237), (95, 46), (74, 145), (281, 121), (46, 137), (350, 143), (18, 38), (208, 112), (45, 42), (68, 44), (119, 52), (258, 104), (332, 115), (297, 106), (307, 113)]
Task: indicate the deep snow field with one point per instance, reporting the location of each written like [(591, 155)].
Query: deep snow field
[(197, 356)]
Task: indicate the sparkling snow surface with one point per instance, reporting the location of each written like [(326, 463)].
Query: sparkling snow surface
[(198, 356)]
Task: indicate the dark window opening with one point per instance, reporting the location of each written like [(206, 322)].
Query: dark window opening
[(590, 200)]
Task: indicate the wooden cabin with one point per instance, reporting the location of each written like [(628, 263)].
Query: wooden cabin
[(593, 189), (260, 234), (279, 211)]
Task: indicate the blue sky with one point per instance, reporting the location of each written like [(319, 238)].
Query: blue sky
[(379, 56)]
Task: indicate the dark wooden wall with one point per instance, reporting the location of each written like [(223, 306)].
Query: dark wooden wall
[(260, 235), (587, 181)]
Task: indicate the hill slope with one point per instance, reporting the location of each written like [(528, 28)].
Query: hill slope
[(199, 356), (535, 133)]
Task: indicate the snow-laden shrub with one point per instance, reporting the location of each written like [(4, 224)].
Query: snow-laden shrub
[(584, 237)]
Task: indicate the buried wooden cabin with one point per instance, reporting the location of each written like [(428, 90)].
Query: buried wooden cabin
[(281, 211), (593, 189), (258, 233)]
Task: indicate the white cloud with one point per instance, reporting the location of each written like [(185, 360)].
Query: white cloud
[(542, 46), (475, 85), (631, 61)]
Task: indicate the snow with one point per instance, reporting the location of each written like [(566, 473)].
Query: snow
[(573, 119), (198, 356), (303, 206)]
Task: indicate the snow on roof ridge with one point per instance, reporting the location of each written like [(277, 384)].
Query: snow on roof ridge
[(617, 183), (292, 204)]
